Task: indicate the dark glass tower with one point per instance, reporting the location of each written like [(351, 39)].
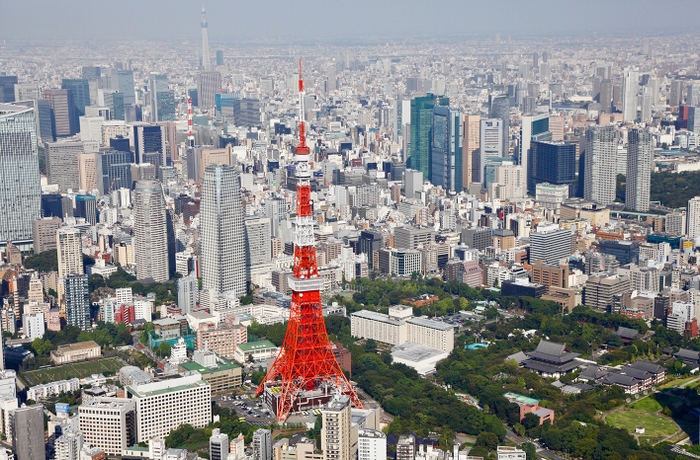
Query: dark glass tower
[(421, 124), (446, 149), (553, 162), (116, 170), (80, 90)]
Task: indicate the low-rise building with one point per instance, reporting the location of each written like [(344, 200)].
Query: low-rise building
[(219, 372), (74, 352), (257, 351)]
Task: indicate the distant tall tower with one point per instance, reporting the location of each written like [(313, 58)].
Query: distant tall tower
[(693, 217), (630, 90), (206, 57), (471, 131), (640, 157)]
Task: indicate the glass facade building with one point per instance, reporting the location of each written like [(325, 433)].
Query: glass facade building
[(20, 193)]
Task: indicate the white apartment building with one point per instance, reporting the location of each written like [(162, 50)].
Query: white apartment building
[(33, 325), (693, 219), (377, 326), (433, 334), (70, 252), (165, 405), (337, 439), (68, 445), (371, 445), (383, 328), (40, 392)]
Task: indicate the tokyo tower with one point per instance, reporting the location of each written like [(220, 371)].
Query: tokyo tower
[(305, 360)]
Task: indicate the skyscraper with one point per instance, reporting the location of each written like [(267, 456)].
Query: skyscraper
[(116, 170), (20, 193), (206, 56), (553, 162), (606, 90), (222, 232), (600, 164), (61, 103), (693, 219), (123, 82), (80, 95), (28, 432), (208, 84), (470, 149), (257, 245), (62, 164), (491, 145), (77, 297), (86, 207), (499, 107), (531, 128), (640, 158), (421, 124), (70, 251), (446, 149), (162, 99), (149, 144), (150, 232), (630, 90), (7, 88)]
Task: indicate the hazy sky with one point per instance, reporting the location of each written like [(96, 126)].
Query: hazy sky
[(231, 20)]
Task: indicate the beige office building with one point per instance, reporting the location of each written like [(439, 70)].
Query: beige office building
[(44, 233), (108, 424)]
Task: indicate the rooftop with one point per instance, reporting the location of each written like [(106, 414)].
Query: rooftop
[(374, 316), (430, 323), (77, 346), (261, 345)]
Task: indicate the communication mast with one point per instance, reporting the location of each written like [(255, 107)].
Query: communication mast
[(305, 360)]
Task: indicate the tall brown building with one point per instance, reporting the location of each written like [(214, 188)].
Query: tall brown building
[(470, 148), (550, 275)]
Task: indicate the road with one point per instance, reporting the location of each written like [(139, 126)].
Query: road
[(541, 452)]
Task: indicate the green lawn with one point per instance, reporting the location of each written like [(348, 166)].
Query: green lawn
[(648, 404), (655, 425), (105, 365)]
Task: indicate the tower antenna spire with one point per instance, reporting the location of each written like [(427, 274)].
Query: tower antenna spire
[(306, 360)]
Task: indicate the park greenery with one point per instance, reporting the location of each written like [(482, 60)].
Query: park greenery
[(43, 262), (671, 189), (165, 292), (434, 405)]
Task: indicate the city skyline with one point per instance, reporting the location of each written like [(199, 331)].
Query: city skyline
[(369, 20)]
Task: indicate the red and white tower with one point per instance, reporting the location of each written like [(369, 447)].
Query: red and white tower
[(305, 360)]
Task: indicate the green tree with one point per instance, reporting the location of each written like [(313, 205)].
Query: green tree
[(163, 349)]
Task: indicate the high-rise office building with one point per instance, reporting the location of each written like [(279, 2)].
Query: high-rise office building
[(122, 81), (630, 91), (208, 84), (20, 193), (694, 119), (446, 149), (553, 162), (7, 88), (421, 124), (44, 233), (640, 159), (70, 252), (262, 444), (222, 232), (52, 205), (27, 92), (600, 168), (550, 244), (162, 98), (46, 127), (491, 144), (371, 445), (258, 250), (116, 170), (150, 232), (413, 182), (499, 107), (28, 432), (206, 55), (219, 57), (218, 445), (606, 90), (533, 127), (80, 95), (90, 171), (61, 104), (149, 144), (62, 164), (693, 219), (86, 207), (77, 300), (471, 133)]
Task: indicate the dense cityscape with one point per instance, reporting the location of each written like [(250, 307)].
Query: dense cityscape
[(418, 249)]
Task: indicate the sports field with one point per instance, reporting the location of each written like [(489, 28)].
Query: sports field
[(68, 371), (654, 425)]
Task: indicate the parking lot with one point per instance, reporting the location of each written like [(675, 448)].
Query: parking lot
[(248, 407)]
